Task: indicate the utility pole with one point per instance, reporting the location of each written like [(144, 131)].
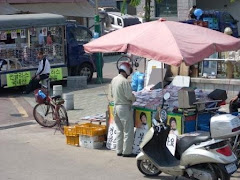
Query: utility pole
[(99, 55)]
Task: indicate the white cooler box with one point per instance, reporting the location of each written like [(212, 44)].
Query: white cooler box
[(224, 126)]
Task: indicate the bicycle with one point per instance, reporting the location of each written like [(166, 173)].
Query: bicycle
[(131, 59), (49, 112)]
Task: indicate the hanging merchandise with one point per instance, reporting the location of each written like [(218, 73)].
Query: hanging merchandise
[(44, 31), (14, 34), (22, 33), (32, 32), (3, 35)]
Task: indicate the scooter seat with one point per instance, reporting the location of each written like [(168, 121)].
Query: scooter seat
[(185, 142)]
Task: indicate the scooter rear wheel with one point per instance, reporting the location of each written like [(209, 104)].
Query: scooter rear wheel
[(220, 174), (148, 168)]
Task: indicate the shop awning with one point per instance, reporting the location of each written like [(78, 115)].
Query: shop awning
[(22, 21), (5, 8), (76, 9)]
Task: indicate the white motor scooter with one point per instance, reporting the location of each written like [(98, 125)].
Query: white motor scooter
[(204, 157)]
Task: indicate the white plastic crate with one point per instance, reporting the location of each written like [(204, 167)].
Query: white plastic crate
[(91, 142)]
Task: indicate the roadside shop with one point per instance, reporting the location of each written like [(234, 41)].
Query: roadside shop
[(181, 108)]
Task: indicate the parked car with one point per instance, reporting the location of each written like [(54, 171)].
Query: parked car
[(117, 20), (108, 9)]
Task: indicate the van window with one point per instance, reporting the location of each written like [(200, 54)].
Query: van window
[(119, 22), (81, 35), (111, 19), (228, 18), (131, 21)]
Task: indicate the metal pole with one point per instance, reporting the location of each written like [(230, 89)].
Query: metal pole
[(99, 55)]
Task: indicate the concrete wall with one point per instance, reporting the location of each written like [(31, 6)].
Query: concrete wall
[(183, 8)]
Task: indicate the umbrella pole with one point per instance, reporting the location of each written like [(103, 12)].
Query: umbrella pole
[(162, 75), (145, 64)]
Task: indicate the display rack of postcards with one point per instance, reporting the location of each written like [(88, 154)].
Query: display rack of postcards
[(54, 53)]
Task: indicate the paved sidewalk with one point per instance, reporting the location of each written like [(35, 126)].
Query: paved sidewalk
[(92, 100), (87, 102)]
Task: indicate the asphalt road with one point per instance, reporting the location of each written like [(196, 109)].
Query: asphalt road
[(14, 109)]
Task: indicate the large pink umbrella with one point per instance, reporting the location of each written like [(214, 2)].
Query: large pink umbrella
[(167, 41)]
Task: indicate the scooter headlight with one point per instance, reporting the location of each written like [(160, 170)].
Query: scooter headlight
[(163, 115)]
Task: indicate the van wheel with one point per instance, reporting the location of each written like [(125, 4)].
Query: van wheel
[(148, 168), (86, 70)]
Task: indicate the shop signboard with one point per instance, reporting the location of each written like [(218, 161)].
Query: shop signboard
[(143, 121), (18, 79), (175, 123), (56, 74), (112, 131), (171, 143)]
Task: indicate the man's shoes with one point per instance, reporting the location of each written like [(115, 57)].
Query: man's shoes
[(129, 155), (119, 154)]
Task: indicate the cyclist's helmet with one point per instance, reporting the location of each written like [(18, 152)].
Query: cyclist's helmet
[(126, 67), (228, 31)]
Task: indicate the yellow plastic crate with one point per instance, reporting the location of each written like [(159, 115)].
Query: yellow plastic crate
[(70, 131), (72, 140), (89, 129)]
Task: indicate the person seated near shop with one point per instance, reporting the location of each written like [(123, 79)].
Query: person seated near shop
[(49, 38), (234, 104), (41, 74), (191, 14)]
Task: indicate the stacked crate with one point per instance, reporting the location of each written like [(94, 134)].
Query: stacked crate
[(91, 136), (72, 138), (212, 23)]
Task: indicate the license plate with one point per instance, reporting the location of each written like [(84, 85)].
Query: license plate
[(231, 168)]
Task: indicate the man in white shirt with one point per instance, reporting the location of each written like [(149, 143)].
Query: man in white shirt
[(121, 92), (42, 73)]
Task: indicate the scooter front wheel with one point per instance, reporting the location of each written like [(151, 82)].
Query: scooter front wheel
[(148, 168)]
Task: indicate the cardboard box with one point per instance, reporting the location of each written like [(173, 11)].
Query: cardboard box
[(184, 69), (186, 98), (174, 70)]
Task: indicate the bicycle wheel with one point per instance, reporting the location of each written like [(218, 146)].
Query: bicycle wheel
[(62, 112), (122, 59), (43, 114)]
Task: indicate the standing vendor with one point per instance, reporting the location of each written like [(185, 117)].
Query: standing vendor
[(121, 92)]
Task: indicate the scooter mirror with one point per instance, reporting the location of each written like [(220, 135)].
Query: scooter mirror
[(166, 96)]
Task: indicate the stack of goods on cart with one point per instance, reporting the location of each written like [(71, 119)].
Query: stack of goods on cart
[(151, 99), (91, 135)]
